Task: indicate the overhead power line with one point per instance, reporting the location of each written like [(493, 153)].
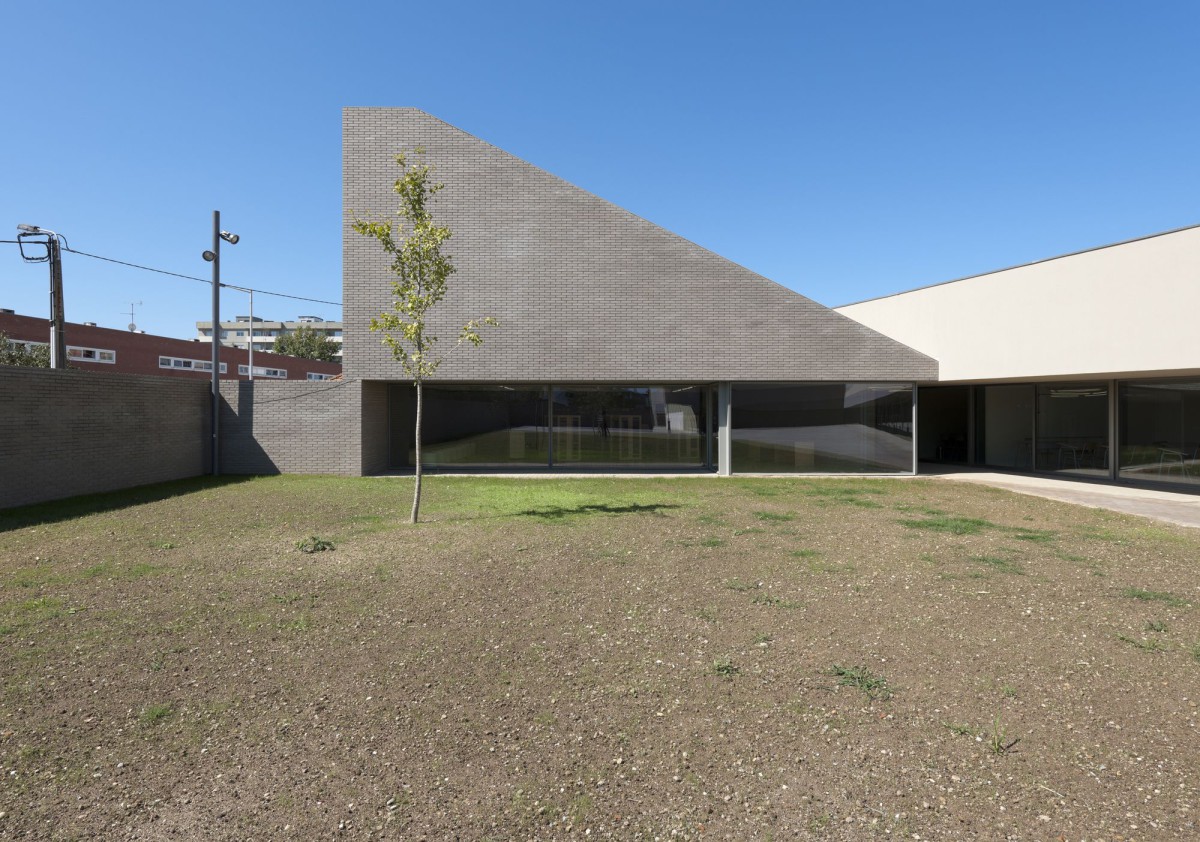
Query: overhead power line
[(191, 277)]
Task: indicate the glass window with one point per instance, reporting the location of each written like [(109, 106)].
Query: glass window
[(1159, 437), (822, 428), (629, 426), (477, 426), (1072, 428)]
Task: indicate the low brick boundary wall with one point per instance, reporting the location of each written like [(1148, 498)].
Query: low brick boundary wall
[(66, 432)]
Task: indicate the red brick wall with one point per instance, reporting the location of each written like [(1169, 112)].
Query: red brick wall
[(138, 353)]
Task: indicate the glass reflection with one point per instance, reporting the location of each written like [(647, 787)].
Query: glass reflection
[(1160, 431), (629, 426), (475, 426), (822, 428)]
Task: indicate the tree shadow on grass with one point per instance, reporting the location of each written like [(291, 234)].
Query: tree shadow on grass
[(563, 512), (54, 511)]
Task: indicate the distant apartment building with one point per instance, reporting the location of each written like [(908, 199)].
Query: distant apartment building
[(243, 330), (106, 349)]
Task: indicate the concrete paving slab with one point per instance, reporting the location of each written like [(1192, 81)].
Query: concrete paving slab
[(1171, 506)]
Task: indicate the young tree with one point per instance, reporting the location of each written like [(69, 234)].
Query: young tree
[(308, 343), (18, 353), (414, 245)]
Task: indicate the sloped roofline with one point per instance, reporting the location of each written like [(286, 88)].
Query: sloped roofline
[(1022, 265)]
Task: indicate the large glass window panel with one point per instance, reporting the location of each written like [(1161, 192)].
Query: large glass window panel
[(1159, 437), (1072, 428), (822, 428), (1004, 426), (471, 426), (630, 426)]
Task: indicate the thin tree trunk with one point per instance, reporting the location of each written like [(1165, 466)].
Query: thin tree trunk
[(417, 488)]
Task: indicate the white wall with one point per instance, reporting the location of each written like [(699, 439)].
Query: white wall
[(1132, 308)]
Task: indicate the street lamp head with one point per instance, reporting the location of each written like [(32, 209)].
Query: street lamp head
[(28, 229), (232, 239), (209, 256)]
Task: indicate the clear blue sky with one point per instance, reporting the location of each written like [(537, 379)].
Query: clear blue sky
[(845, 150)]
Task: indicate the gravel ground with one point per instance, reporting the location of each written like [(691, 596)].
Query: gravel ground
[(596, 658)]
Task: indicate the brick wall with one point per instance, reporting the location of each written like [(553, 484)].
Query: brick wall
[(584, 290), (65, 432), (284, 427)]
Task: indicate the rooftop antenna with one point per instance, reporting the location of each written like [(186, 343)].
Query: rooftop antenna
[(132, 324)]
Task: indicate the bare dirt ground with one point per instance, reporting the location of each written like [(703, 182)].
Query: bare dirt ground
[(597, 658)]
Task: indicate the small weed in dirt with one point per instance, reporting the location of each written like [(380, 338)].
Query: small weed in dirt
[(951, 524), (1008, 691), (804, 553), (1195, 650), (1156, 626), (155, 714), (762, 639), (313, 544), (998, 741), (749, 530), (774, 601), (707, 615), (774, 516), (741, 587), (960, 730), (712, 542), (725, 668), (874, 687), (1154, 596), (1151, 645), (166, 545)]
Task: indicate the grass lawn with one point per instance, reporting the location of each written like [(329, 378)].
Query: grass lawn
[(611, 658)]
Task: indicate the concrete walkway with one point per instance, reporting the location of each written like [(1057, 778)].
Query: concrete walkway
[(1171, 506)]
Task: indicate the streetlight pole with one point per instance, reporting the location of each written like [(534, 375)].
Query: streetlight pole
[(58, 336), (214, 257)]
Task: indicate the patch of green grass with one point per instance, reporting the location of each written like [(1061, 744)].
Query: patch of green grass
[(749, 530), (1008, 691), (951, 524), (804, 553), (762, 639), (153, 714), (1000, 565), (774, 516), (960, 730), (1155, 626), (1195, 649), (707, 614), (1154, 596), (1037, 536), (874, 687)]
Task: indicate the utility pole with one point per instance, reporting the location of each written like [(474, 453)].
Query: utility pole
[(58, 336), (214, 257)]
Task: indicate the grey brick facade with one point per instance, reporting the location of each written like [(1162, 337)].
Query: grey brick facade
[(291, 427), (67, 432), (584, 290)]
